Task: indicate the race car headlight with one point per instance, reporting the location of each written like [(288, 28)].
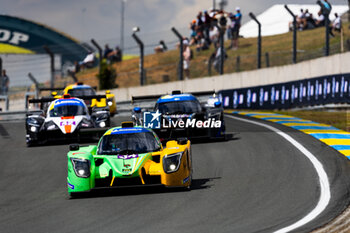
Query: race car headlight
[(102, 124), (33, 129), (171, 163), (110, 102), (81, 167), (32, 121)]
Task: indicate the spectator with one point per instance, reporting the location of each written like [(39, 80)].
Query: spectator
[(336, 24), (186, 58), (193, 32), (217, 58), (5, 82), (76, 68), (309, 21), (88, 61), (235, 26), (207, 24), (214, 35), (116, 55), (107, 51), (320, 19), (300, 20), (161, 47)]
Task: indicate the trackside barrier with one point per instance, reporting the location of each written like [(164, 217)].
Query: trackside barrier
[(330, 89)]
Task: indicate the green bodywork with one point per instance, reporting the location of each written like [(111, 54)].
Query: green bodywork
[(119, 168), (102, 166)]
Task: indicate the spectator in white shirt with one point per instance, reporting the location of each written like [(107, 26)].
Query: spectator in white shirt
[(336, 24)]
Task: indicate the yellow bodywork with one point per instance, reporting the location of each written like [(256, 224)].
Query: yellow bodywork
[(182, 177)]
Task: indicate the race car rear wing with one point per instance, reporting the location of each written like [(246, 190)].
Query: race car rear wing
[(47, 100), (58, 88), (154, 97)]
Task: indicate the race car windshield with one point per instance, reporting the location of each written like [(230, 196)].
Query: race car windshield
[(81, 92), (192, 106), (127, 144), (67, 110)]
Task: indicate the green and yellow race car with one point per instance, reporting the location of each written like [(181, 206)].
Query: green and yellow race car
[(129, 156)]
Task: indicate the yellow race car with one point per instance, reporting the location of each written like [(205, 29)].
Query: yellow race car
[(81, 90)]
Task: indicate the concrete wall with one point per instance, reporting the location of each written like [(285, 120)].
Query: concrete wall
[(336, 64)]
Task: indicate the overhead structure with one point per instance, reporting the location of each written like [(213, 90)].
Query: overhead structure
[(21, 36)]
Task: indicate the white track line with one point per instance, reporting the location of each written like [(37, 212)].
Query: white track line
[(325, 195)]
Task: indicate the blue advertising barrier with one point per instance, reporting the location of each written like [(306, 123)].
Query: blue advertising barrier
[(330, 89)]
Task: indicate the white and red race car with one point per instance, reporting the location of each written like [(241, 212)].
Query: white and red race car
[(64, 118)]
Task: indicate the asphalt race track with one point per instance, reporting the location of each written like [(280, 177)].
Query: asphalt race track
[(256, 182)]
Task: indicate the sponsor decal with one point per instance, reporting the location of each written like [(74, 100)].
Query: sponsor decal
[(152, 120), (261, 97), (70, 186), (13, 37), (254, 97), (249, 97), (273, 95), (78, 153), (235, 99), (127, 170), (186, 180), (64, 123), (226, 101), (134, 156), (178, 121)]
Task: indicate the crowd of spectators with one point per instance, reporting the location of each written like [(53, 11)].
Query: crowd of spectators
[(205, 32), (306, 20)]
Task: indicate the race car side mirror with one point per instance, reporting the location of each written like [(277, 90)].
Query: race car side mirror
[(182, 141), (217, 104), (74, 147), (137, 109), (108, 92), (54, 93)]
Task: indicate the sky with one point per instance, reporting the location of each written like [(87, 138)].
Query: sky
[(101, 19)]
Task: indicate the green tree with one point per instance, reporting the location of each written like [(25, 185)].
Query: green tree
[(107, 76)]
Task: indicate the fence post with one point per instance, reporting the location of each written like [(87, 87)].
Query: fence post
[(238, 63), (181, 67), (267, 59), (294, 34), (222, 51), (99, 53), (52, 65), (327, 34), (141, 69), (259, 39), (326, 10)]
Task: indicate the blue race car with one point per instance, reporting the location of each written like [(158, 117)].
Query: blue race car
[(182, 115)]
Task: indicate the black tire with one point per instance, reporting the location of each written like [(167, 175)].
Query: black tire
[(74, 195), (32, 144)]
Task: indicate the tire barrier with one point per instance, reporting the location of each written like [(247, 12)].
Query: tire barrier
[(330, 89)]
